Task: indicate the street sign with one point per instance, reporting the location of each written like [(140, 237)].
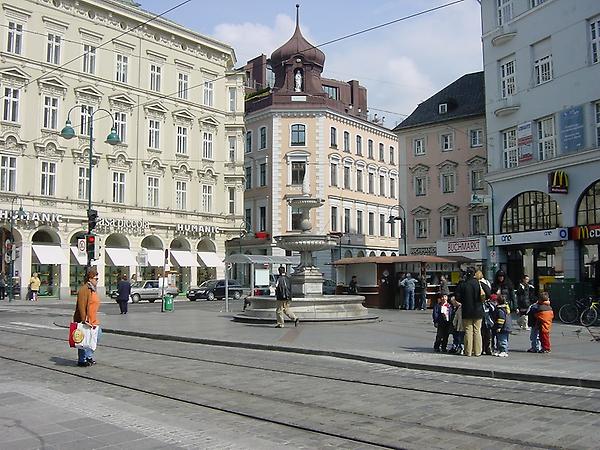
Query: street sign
[(493, 256), (81, 246)]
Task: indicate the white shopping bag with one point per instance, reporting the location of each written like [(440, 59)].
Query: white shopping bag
[(85, 336)]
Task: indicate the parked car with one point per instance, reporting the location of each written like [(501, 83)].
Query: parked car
[(147, 290), (215, 289), (329, 287)]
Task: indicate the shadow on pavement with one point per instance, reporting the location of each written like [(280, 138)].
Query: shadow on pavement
[(64, 361)]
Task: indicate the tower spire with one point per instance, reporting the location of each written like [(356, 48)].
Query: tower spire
[(297, 15)]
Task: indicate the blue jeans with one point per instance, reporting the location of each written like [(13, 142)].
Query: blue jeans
[(422, 300), (87, 353), (502, 342), (409, 298), (534, 337)]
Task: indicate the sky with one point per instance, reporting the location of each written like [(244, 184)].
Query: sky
[(401, 64)]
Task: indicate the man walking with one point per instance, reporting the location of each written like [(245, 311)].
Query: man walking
[(283, 293), (123, 293)]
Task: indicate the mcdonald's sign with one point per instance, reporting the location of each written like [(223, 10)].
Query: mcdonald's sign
[(584, 232), (558, 182)]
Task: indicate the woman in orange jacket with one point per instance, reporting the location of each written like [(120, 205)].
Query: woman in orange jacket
[(544, 316), (86, 310)]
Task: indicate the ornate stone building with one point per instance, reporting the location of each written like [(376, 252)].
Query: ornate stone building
[(174, 182)]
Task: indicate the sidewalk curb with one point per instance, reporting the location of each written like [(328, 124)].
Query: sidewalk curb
[(486, 373)]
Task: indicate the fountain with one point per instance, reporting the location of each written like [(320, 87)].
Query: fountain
[(308, 301)]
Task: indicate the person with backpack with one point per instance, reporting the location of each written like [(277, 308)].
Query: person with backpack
[(487, 325), (502, 324), (441, 316)]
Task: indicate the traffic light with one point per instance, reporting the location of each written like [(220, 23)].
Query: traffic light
[(92, 219), (90, 246)]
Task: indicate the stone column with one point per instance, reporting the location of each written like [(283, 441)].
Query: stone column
[(64, 286)]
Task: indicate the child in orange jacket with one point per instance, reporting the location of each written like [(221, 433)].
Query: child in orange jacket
[(544, 316)]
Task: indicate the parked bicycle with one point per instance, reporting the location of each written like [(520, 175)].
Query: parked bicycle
[(584, 309)]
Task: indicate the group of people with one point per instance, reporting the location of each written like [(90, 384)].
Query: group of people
[(415, 291), (479, 316)]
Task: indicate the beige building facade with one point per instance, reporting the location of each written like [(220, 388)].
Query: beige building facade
[(174, 182)]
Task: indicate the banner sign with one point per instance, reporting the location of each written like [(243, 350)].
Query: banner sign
[(572, 129), (525, 142), (584, 232)]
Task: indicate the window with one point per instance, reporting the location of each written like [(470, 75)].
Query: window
[(446, 142), (359, 222), (8, 173), (232, 99), (530, 211), (381, 152), (248, 141), (11, 104), (248, 219), (449, 226), (392, 155), (507, 79), (231, 191), (509, 148), (535, 3), (419, 147), (442, 108), (121, 125), (392, 187), (332, 92), (296, 218), (263, 174), (122, 65), (595, 39), (505, 11), (382, 224), (334, 214), (420, 186), (382, 185), (263, 138), (476, 180), (182, 135), (89, 59), (359, 145), (476, 137), (333, 174), (543, 69), (207, 145), (371, 183), (85, 119), (371, 225), (83, 179), (298, 172), (346, 220), (393, 229), (421, 228), (370, 149), (53, 49), (155, 75), (298, 134), (597, 115), (447, 183), (14, 43), (359, 180), (248, 177), (209, 88), (207, 194), (262, 218), (153, 190), (333, 137), (232, 148), (478, 225), (118, 187), (50, 112), (48, 178), (180, 194), (154, 134), (182, 85), (346, 141), (347, 183), (545, 138)]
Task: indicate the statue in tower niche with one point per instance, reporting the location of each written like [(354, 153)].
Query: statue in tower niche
[(298, 81)]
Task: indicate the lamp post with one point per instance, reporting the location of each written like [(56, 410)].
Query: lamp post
[(402, 220), (11, 271), (113, 138), (493, 224)]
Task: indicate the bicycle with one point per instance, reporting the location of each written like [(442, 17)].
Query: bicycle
[(584, 309), (589, 315)]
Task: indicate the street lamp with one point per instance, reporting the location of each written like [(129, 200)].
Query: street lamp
[(493, 224), (12, 244), (402, 220), (113, 139)]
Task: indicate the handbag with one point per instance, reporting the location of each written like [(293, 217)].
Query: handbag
[(72, 328), (84, 336)]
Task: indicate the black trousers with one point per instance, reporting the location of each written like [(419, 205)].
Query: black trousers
[(2, 292), (123, 306), (487, 339), (441, 337)]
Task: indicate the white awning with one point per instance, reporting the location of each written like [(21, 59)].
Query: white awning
[(210, 259), (156, 258), (81, 259), (121, 256), (50, 254), (184, 259)]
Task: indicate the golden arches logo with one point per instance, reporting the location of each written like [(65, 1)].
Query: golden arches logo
[(560, 179)]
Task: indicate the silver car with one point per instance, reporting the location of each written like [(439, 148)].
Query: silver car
[(150, 290)]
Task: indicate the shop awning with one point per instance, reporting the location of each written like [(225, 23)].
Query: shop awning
[(81, 259), (121, 256), (210, 259), (156, 258), (49, 254), (184, 258)]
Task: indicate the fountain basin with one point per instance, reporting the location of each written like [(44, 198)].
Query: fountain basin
[(304, 242)]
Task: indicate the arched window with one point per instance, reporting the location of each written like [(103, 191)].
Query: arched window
[(530, 211), (588, 211), (298, 134)]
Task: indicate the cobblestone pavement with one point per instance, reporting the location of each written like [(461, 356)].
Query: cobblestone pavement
[(154, 394)]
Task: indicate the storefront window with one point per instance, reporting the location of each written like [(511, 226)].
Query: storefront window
[(531, 211), (588, 212)]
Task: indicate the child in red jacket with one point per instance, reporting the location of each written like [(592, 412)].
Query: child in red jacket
[(544, 316)]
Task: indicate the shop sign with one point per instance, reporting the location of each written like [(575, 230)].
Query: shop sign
[(423, 251), (131, 226), (584, 232), (29, 218), (529, 237), (572, 129), (469, 248), (194, 229), (525, 142), (558, 182)]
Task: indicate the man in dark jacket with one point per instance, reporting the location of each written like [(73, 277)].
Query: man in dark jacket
[(283, 293), (503, 286), (123, 293), (468, 293)]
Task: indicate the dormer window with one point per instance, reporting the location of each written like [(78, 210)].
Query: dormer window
[(443, 108)]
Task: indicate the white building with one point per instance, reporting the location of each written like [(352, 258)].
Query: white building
[(542, 72), (175, 181)]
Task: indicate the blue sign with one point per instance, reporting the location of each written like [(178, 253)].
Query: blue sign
[(572, 137)]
